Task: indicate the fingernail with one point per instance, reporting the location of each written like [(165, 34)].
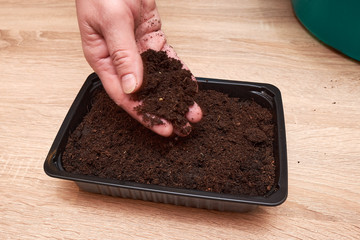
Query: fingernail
[(128, 83)]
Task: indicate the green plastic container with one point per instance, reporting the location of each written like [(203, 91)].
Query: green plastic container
[(335, 22)]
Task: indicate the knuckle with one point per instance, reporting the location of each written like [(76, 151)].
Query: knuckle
[(120, 57)]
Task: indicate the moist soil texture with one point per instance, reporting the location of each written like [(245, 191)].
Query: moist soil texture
[(229, 151), (167, 91)]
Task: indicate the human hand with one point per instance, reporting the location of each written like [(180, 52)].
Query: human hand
[(114, 33)]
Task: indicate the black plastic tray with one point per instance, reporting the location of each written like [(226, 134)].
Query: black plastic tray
[(265, 94)]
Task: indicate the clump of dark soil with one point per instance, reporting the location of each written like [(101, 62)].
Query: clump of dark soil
[(167, 91), (230, 151)]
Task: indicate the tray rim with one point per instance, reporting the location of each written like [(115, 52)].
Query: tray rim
[(51, 165)]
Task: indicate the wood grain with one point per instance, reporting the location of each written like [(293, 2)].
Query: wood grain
[(42, 68)]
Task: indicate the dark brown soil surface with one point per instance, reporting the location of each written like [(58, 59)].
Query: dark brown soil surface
[(230, 151)]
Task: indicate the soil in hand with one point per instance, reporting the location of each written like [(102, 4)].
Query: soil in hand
[(167, 91)]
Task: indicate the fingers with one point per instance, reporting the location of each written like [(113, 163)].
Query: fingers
[(112, 86), (184, 131), (154, 40), (148, 33), (120, 40), (195, 113), (107, 31), (165, 129)]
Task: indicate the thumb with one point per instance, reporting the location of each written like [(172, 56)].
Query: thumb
[(120, 40)]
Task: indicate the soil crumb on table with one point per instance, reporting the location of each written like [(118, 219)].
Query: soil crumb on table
[(230, 151)]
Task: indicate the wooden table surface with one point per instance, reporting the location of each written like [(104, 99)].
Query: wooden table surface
[(42, 68)]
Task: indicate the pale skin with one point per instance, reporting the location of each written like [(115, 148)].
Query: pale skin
[(114, 33)]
